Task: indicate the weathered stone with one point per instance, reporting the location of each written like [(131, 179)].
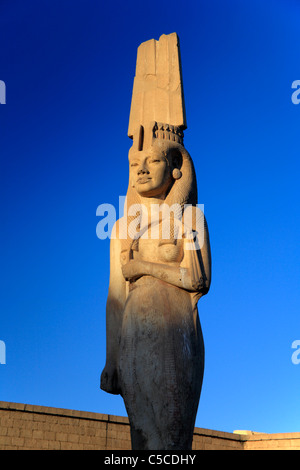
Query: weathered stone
[(160, 265), (157, 90)]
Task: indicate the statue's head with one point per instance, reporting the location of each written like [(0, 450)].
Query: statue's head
[(154, 170), (157, 160)]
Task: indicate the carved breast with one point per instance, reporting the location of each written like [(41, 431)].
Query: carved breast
[(170, 253), (152, 250)]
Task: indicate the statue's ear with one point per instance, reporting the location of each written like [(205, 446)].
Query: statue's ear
[(175, 160), (176, 173)]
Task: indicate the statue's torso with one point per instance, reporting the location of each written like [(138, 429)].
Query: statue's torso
[(160, 251)]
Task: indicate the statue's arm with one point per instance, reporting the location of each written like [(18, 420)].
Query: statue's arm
[(114, 312), (194, 273), (198, 260)]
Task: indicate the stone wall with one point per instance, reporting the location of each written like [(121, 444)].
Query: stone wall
[(25, 427), (285, 441), (38, 427)]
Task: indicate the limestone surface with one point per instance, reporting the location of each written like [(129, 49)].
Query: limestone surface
[(160, 265)]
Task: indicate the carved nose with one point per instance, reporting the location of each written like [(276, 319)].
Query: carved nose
[(142, 170)]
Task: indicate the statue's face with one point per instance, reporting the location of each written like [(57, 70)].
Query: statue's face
[(150, 172)]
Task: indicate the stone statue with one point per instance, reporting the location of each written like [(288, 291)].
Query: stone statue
[(160, 265)]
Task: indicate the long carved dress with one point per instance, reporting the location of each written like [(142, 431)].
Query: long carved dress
[(155, 350), (161, 358)]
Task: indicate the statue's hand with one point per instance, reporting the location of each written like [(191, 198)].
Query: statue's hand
[(109, 380), (132, 270)]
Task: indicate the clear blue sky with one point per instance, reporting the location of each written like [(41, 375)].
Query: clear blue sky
[(68, 68)]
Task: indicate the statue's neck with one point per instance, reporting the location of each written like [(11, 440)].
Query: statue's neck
[(150, 201), (150, 207)]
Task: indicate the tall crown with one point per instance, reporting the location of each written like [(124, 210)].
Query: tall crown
[(157, 106), (144, 137)]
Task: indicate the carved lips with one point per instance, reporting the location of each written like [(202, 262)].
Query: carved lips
[(143, 179)]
